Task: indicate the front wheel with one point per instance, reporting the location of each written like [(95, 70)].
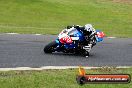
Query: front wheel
[(50, 47)]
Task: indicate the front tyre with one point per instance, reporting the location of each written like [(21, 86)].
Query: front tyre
[(50, 47)]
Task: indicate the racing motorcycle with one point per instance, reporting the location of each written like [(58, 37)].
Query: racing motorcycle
[(74, 41)]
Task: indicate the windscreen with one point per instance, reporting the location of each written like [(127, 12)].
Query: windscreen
[(72, 32)]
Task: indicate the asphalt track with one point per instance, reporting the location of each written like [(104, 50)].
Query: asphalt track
[(27, 51)]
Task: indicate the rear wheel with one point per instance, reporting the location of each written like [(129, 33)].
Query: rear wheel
[(50, 47)]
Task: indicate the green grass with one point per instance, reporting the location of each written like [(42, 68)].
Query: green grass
[(56, 78), (51, 16)]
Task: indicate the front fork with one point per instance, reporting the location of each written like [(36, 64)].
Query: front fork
[(59, 45)]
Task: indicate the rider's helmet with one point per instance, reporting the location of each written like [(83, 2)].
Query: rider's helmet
[(88, 27)]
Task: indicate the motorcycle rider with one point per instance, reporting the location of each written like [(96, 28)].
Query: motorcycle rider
[(89, 34)]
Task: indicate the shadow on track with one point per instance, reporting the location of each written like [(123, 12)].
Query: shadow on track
[(92, 55)]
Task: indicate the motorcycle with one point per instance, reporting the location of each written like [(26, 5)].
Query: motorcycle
[(74, 41)]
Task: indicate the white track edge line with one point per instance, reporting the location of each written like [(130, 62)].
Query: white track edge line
[(55, 67), (11, 33), (37, 34), (111, 37), (42, 34)]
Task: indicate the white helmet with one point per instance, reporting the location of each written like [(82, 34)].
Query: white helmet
[(88, 27)]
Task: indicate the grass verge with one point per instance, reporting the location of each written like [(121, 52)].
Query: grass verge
[(50, 16), (56, 78)]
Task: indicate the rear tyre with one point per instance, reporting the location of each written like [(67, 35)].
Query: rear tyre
[(50, 47)]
